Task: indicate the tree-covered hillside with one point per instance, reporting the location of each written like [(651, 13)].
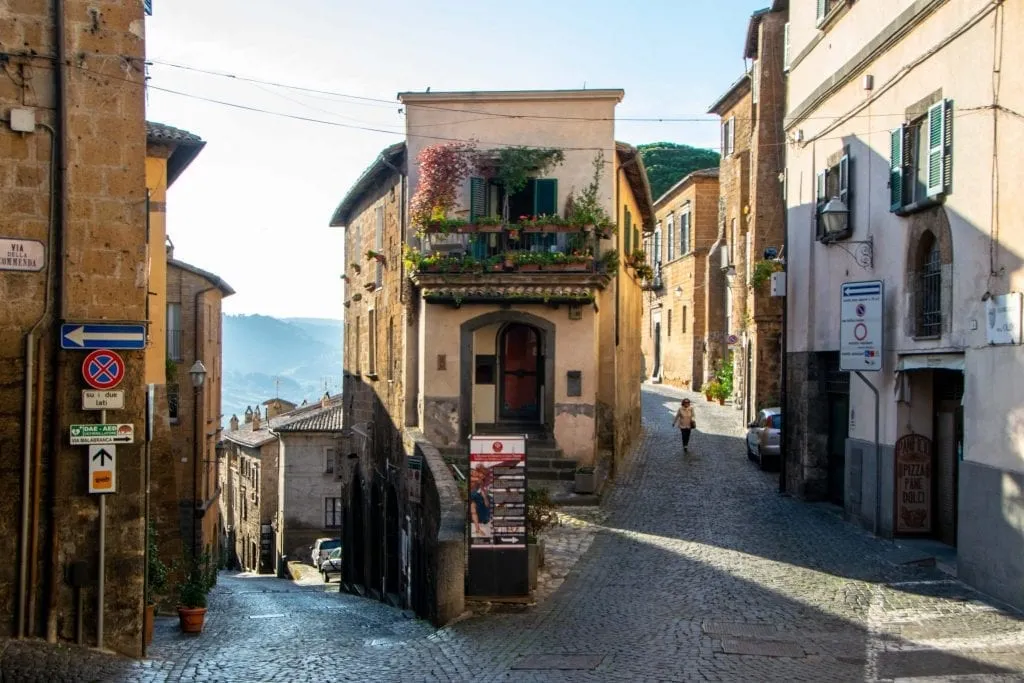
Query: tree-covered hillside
[(668, 162)]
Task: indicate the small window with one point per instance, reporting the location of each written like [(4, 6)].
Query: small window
[(834, 181), (670, 232), (656, 255), (359, 340), (391, 348), (378, 243), (332, 513), (684, 234), (683, 321), (173, 401), (372, 341), (175, 334), (729, 136), (330, 456), (929, 309), (670, 323)]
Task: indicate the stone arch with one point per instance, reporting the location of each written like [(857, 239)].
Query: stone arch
[(545, 328), (928, 229)]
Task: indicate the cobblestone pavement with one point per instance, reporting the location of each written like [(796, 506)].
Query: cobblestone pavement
[(693, 570)]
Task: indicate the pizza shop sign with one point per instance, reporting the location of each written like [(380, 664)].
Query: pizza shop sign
[(913, 485)]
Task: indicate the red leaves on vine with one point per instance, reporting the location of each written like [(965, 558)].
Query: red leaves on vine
[(443, 168)]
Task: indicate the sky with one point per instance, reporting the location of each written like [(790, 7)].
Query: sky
[(254, 206)]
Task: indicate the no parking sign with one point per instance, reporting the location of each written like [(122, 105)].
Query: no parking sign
[(103, 369)]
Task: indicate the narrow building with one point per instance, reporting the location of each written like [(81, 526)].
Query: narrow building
[(904, 401)]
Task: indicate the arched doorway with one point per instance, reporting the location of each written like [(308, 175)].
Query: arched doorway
[(392, 543), (520, 368), (356, 550)]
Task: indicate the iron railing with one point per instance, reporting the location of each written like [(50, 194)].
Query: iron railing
[(930, 291)]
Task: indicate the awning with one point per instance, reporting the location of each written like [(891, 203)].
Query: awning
[(931, 361)]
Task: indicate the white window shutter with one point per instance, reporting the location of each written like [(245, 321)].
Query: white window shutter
[(822, 8), (936, 148), (785, 46)]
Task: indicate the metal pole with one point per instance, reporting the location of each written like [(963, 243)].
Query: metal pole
[(878, 454), (103, 558)]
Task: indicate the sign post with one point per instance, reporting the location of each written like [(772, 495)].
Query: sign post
[(498, 553), (860, 350)]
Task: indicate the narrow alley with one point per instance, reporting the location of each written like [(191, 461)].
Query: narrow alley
[(700, 572)]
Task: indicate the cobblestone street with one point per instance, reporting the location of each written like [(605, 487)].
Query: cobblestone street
[(695, 569)]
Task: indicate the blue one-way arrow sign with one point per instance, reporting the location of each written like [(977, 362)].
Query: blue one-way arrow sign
[(102, 336)]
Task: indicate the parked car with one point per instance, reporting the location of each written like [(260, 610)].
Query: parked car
[(763, 438), (332, 565), (322, 548)]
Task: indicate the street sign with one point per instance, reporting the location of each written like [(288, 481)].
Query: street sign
[(103, 369), (27, 256), (860, 330), (102, 469), (86, 435), (102, 400), (103, 336)]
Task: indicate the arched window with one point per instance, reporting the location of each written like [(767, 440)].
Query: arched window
[(929, 287)]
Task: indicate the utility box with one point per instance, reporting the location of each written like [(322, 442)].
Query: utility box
[(778, 284)]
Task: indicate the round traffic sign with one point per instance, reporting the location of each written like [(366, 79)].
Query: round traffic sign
[(103, 369), (861, 310), (860, 331)]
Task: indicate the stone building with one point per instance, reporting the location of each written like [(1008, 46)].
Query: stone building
[(193, 313), (753, 159), (679, 316), (310, 505), (494, 343), (898, 112), (73, 192)]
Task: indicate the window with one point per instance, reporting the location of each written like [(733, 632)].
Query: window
[(539, 197), (755, 90), (332, 513), (929, 310), (173, 400), (378, 243), (670, 231), (825, 8), (728, 136), (330, 455), (920, 160), (670, 322), (834, 181), (684, 233), (785, 47), (175, 342), (391, 348), (656, 251), (244, 504), (683, 321), (359, 335), (371, 346)]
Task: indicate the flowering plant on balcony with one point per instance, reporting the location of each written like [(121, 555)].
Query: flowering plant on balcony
[(586, 210), (443, 225), (644, 271), (443, 167), (488, 221)]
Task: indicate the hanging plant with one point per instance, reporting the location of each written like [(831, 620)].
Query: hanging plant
[(443, 168), (516, 165)]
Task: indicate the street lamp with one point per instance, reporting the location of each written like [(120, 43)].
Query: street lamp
[(836, 216), (198, 373)]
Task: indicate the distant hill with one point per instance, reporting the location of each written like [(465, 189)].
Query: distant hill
[(667, 163), (294, 358)]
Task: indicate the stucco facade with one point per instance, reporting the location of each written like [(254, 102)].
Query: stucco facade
[(675, 305), (427, 356), (899, 97)]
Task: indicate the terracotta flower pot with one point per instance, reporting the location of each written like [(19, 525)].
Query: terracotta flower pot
[(721, 401), (192, 619), (147, 623), (708, 397)]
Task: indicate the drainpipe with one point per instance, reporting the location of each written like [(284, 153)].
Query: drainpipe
[(198, 437), (784, 386), (57, 251)]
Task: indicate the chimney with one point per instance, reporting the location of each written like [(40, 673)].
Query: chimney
[(234, 423), (256, 419), (325, 400), (248, 414)]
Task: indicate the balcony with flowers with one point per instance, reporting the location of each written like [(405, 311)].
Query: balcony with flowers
[(511, 242)]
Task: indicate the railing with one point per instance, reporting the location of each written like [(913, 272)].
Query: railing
[(508, 250)]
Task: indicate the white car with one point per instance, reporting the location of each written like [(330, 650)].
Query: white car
[(332, 565), (764, 437), (322, 548)]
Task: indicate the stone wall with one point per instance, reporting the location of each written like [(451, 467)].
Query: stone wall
[(100, 277), (807, 431)]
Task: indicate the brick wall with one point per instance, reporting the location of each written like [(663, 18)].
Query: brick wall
[(103, 251)]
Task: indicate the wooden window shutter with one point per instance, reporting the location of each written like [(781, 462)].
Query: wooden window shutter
[(819, 203), (477, 199), (844, 188), (896, 142), (545, 197), (939, 140)]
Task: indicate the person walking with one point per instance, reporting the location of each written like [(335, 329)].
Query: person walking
[(686, 421)]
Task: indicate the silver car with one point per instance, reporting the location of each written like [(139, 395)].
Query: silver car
[(322, 548), (332, 565), (764, 436)]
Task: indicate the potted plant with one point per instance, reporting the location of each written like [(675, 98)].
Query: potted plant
[(711, 390), (586, 479), (371, 254), (610, 261), (200, 577), (488, 224), (156, 582)]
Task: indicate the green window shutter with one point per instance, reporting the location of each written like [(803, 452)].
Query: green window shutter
[(628, 232), (822, 7), (820, 190), (477, 199), (936, 148), (896, 142), (545, 196), (844, 189)]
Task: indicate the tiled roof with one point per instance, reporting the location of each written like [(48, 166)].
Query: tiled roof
[(636, 176), (700, 173), (214, 280), (161, 132), (319, 419), (246, 436), (387, 162)]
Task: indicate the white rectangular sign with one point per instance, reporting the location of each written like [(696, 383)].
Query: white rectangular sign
[(102, 400), (1002, 313), (102, 469), (860, 332), (25, 255), (85, 435)]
